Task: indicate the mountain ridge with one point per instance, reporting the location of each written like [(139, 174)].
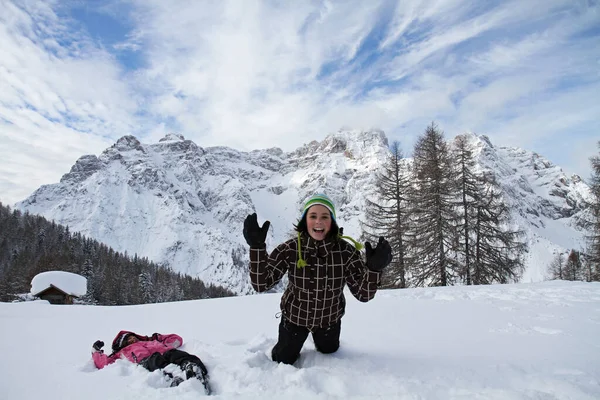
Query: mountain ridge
[(181, 204)]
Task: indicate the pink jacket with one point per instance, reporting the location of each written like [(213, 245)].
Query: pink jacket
[(136, 352)]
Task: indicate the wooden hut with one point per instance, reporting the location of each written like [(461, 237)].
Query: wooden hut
[(54, 295), (58, 287)]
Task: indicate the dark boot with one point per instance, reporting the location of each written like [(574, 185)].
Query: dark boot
[(175, 380), (197, 370)]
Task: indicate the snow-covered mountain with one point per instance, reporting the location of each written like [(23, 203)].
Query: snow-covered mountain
[(544, 201), (184, 205)]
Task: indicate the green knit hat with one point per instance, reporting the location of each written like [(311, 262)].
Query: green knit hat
[(321, 199)]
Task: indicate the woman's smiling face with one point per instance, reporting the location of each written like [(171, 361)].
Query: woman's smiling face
[(318, 221)]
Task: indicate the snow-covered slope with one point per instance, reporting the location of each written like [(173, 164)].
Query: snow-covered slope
[(543, 200), (509, 342), (184, 205)]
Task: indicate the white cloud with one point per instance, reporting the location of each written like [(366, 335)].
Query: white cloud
[(36, 152), (57, 102), (258, 74)]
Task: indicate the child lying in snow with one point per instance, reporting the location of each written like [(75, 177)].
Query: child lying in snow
[(152, 352)]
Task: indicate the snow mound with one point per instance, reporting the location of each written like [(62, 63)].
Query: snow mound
[(68, 282)]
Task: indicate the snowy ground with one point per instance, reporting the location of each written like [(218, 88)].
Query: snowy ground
[(528, 341)]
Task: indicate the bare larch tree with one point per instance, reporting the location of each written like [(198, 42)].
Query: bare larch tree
[(498, 249), (387, 215), (593, 236), (433, 220), (468, 186)]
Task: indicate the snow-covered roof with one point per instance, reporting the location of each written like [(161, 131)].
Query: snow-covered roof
[(68, 282)]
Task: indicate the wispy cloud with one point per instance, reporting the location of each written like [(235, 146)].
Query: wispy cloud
[(257, 74), (61, 96)]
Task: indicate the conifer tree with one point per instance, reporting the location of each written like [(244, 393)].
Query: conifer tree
[(469, 191), (29, 244), (387, 215), (433, 220), (146, 287), (498, 251), (587, 269), (573, 270), (87, 271), (556, 268), (593, 236)]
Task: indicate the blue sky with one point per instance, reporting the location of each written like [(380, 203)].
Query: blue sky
[(77, 75)]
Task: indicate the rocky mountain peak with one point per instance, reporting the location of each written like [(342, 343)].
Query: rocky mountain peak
[(350, 143), (177, 146), (333, 144), (127, 143), (172, 137), (485, 139), (126, 146), (83, 168)]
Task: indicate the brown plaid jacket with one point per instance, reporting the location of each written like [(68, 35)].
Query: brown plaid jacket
[(314, 296)]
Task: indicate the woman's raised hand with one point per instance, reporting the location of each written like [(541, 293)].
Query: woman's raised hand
[(255, 236)]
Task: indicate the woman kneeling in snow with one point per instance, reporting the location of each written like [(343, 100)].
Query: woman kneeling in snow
[(319, 264), (152, 352)]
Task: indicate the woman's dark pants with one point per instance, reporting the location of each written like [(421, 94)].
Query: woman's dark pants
[(292, 338), (173, 356)]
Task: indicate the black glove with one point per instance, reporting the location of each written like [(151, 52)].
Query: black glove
[(255, 236), (98, 345), (379, 257)]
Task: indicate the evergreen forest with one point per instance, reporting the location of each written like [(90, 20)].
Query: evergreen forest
[(30, 244)]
